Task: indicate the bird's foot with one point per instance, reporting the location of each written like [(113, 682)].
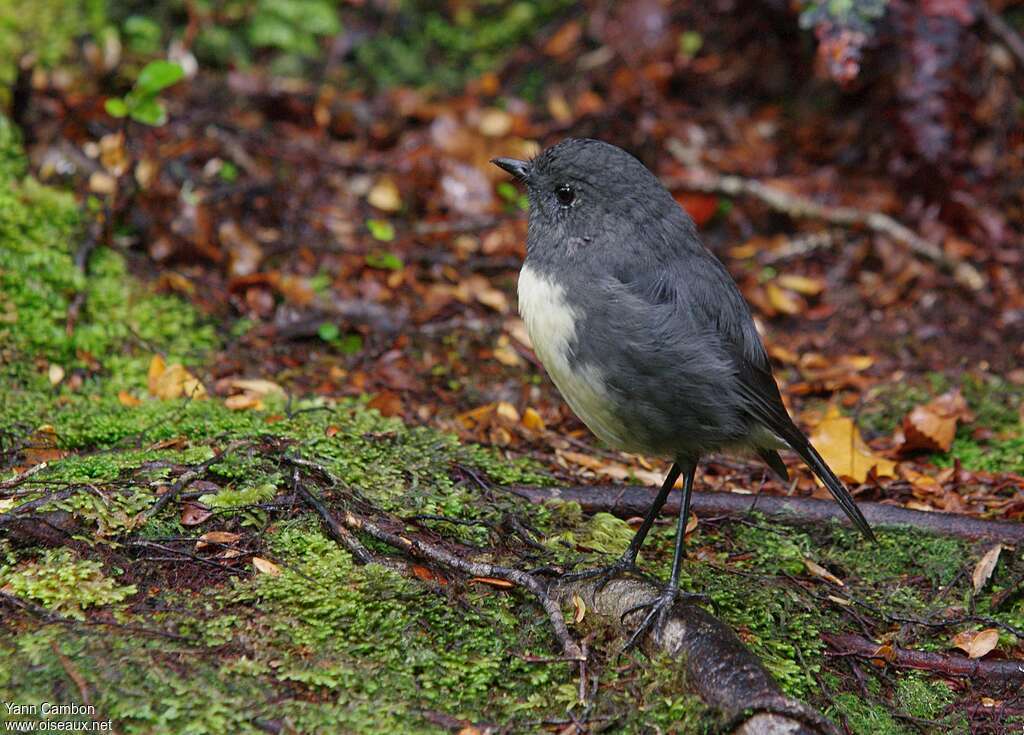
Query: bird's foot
[(624, 565), (658, 610)]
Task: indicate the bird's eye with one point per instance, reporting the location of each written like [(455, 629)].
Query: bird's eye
[(565, 195)]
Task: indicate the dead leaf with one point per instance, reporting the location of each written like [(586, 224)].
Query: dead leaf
[(55, 373), (932, 426), (691, 524), (507, 411), (985, 566), (840, 443), (783, 300), (504, 352), (266, 567), (387, 402), (192, 514), (427, 574), (801, 284), (384, 195), (493, 582), (244, 253), (480, 288), (127, 399), (494, 122), (258, 386), (532, 420), (42, 446), (579, 608), (216, 537), (822, 573), (172, 381), (976, 643)]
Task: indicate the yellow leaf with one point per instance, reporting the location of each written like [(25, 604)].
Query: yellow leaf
[(385, 195), (801, 284), (55, 373), (782, 300), (579, 608), (532, 420), (255, 385), (984, 568), (840, 443), (266, 567), (172, 381)]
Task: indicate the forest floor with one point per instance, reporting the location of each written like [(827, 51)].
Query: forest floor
[(290, 292)]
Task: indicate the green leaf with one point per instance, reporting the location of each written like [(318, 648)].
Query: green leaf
[(328, 332), (148, 111), (116, 107), (384, 260), (157, 75), (351, 344), (381, 229)]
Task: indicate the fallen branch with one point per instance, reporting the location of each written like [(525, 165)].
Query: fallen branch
[(720, 669), (847, 644), (22, 476), (629, 501), (430, 552), (702, 179)]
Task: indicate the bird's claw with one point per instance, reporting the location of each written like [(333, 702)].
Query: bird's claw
[(657, 615), (623, 566)]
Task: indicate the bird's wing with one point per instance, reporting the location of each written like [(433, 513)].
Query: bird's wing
[(703, 290)]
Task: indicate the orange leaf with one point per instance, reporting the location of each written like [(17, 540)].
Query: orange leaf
[(427, 574), (701, 207), (976, 643), (216, 537), (493, 582), (801, 284), (127, 399), (840, 443)]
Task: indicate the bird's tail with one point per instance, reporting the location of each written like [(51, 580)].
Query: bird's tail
[(835, 486)]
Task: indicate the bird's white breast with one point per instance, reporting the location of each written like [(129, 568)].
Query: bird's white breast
[(551, 323)]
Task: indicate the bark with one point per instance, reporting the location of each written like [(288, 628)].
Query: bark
[(720, 669), (627, 502)]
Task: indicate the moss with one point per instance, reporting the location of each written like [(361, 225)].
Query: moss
[(866, 718), (64, 584)]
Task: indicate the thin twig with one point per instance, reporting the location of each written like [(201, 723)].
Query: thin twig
[(1003, 30), (430, 552), (190, 475), (22, 476), (702, 179), (334, 529)]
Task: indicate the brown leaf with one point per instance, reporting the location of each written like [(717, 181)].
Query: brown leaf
[(985, 566), (266, 567), (192, 514), (840, 443), (216, 537), (932, 426), (976, 643), (387, 402)]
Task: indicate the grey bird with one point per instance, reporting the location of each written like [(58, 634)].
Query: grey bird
[(645, 333)]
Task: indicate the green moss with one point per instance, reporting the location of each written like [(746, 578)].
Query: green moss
[(865, 718), (63, 584)]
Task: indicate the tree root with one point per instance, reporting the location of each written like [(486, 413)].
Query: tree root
[(720, 669), (991, 670), (627, 502)]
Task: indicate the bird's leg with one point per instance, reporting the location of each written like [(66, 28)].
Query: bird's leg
[(627, 562), (659, 608)]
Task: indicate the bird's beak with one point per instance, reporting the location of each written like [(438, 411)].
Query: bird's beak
[(519, 169)]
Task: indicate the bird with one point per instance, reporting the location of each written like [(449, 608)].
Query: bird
[(646, 335)]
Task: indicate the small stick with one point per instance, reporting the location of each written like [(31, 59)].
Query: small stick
[(196, 472), (334, 529), (22, 476)]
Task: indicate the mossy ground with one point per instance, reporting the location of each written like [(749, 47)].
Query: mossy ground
[(163, 636)]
